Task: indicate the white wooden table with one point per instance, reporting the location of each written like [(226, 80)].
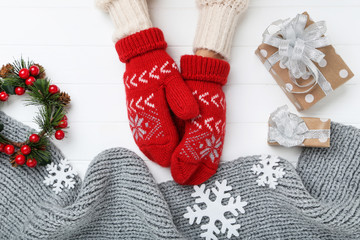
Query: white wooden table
[(72, 39)]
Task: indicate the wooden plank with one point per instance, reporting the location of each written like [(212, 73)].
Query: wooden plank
[(68, 64), (72, 39), (173, 3), (94, 28), (245, 104)]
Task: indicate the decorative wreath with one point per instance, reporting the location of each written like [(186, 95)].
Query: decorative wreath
[(16, 79)]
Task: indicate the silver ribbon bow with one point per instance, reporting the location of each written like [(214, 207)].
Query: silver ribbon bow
[(298, 50), (290, 130)]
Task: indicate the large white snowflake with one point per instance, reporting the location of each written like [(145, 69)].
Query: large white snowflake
[(215, 210), (268, 171), (60, 176)]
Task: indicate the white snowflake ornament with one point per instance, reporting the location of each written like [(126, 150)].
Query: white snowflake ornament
[(215, 210), (268, 171), (60, 176)]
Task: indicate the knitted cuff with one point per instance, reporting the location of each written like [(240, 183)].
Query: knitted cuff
[(204, 69), (128, 16), (217, 23), (140, 43)]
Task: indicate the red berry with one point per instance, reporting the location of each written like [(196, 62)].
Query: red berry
[(34, 138), (4, 96), (19, 90), (30, 81), (63, 124), (31, 162), (34, 70), (59, 134), (24, 73), (64, 118), (20, 159), (26, 150), (53, 89), (2, 147), (9, 149)]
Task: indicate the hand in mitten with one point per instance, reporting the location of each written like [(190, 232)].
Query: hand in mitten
[(153, 84), (197, 157)]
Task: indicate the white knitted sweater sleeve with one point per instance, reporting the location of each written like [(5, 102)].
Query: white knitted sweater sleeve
[(128, 16), (217, 23), (238, 5)]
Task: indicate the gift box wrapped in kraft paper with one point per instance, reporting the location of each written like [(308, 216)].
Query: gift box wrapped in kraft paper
[(302, 61), (289, 130)]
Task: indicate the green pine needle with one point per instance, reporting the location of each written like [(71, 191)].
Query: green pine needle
[(39, 93), (20, 64)]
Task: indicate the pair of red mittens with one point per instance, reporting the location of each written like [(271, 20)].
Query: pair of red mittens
[(154, 86)]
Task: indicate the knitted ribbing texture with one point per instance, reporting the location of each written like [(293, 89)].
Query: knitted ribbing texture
[(128, 16), (119, 198), (217, 23), (319, 200), (341, 162)]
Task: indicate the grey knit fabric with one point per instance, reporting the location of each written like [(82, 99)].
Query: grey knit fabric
[(319, 200), (119, 198)]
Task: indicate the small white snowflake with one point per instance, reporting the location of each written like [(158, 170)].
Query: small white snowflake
[(268, 171), (215, 210), (60, 176)]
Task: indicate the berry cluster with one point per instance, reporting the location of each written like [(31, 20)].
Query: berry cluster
[(30, 77), (26, 74), (22, 156), (25, 150), (29, 74), (59, 134)]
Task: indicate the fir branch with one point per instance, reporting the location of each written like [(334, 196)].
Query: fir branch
[(41, 156), (14, 81), (10, 83), (40, 96), (20, 64), (49, 117), (43, 142)]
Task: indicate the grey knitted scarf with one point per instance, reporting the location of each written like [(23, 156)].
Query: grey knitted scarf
[(258, 197)]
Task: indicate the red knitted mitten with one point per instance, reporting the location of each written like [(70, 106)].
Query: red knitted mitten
[(153, 84), (197, 157)]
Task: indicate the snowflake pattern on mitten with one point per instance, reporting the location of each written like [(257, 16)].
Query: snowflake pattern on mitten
[(153, 86), (197, 157), (144, 119), (205, 134)]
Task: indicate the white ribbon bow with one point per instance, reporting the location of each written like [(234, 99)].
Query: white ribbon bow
[(290, 130), (298, 50)]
